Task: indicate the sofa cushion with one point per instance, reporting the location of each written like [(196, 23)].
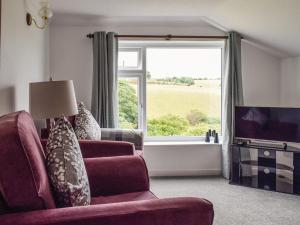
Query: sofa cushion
[(86, 127), (128, 197), (24, 183), (66, 167), (129, 135)]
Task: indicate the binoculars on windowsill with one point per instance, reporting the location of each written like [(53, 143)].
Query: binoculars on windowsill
[(212, 136)]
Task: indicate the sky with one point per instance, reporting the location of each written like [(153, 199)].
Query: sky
[(169, 62)]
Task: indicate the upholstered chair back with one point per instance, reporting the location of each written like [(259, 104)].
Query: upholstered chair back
[(24, 184)]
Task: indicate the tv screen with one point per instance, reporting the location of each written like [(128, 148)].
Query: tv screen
[(267, 123)]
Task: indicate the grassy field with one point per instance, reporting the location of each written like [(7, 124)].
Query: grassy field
[(164, 101), (204, 96)]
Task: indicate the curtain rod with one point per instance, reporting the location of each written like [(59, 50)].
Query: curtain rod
[(167, 37)]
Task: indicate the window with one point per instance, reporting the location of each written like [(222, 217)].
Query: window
[(129, 59), (171, 90), (130, 87)]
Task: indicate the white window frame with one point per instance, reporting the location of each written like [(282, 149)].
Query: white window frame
[(135, 72), (140, 73), (139, 62)]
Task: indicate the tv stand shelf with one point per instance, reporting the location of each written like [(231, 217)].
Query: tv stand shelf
[(266, 167)]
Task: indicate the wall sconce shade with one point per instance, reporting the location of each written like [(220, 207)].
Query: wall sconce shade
[(45, 13), (52, 99)]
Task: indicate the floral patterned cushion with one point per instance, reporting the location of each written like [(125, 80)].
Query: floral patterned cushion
[(86, 127), (65, 166)]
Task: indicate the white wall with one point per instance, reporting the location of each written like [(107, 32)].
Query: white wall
[(71, 58), (290, 82), (261, 76), (24, 56), (183, 159)]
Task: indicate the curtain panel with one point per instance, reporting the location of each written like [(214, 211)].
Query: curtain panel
[(232, 95), (104, 91)]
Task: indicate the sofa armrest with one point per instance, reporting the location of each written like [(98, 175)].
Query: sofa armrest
[(177, 211), (92, 149), (117, 175), (130, 135)]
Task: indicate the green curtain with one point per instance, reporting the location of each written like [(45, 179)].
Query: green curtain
[(232, 95), (104, 92)]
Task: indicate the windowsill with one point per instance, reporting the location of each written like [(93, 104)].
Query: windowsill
[(178, 143)]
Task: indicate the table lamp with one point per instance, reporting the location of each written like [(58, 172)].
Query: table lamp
[(52, 99)]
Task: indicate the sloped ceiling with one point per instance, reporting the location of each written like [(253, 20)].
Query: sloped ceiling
[(273, 23)]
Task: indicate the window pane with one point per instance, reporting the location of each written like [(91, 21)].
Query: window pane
[(128, 59), (128, 102), (183, 91)]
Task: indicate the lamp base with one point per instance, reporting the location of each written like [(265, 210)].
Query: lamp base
[(50, 123)]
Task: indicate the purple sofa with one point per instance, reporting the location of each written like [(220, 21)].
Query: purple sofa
[(134, 136), (119, 187), (94, 149)]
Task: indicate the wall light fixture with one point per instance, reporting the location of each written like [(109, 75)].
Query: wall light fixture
[(45, 13)]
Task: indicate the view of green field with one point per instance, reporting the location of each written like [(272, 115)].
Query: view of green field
[(174, 109), (204, 96)]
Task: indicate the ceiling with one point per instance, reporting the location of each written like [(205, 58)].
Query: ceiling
[(273, 23)]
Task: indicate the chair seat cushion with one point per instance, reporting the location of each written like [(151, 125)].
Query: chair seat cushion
[(128, 197)]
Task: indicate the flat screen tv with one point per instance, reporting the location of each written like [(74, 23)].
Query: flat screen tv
[(267, 123)]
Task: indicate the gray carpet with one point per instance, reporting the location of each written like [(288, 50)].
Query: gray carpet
[(234, 205)]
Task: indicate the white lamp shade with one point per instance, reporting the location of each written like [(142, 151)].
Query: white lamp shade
[(45, 11), (52, 99)]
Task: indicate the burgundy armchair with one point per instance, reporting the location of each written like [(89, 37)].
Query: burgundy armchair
[(119, 187)]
